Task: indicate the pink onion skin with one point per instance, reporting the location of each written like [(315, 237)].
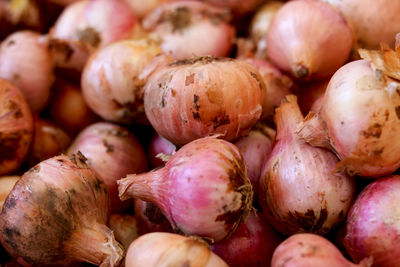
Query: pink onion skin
[(238, 7), (299, 189), (190, 28), (373, 21), (159, 144), (110, 81), (309, 93), (112, 152), (16, 128), (6, 185), (56, 214), (308, 38), (203, 189), (255, 148), (304, 250), (252, 244), (359, 121), (142, 8), (150, 218), (372, 227), (203, 96), (26, 62)]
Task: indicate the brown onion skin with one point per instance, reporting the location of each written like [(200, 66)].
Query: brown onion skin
[(56, 214), (16, 128), (150, 218), (373, 21), (203, 96), (304, 250), (6, 185), (372, 227), (191, 28), (26, 62), (299, 188), (125, 228), (159, 144), (68, 108), (308, 38), (252, 244), (112, 152), (110, 81)]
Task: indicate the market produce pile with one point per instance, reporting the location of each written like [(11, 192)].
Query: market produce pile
[(200, 133)]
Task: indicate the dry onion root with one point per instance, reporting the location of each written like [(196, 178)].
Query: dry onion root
[(56, 214)]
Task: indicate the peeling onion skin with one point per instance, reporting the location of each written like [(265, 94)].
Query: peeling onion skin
[(150, 218), (308, 38), (373, 21), (190, 28), (299, 188), (202, 96), (203, 189), (304, 250), (26, 62), (56, 214), (166, 249), (112, 152), (366, 141), (252, 244), (372, 227), (110, 81), (16, 128)]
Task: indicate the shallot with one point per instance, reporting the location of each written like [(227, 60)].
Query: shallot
[(238, 7), (150, 218), (311, 92), (16, 128), (202, 96), (124, 227), (112, 152), (308, 38), (203, 189), (159, 146), (56, 213), (299, 188), (166, 249), (6, 185)]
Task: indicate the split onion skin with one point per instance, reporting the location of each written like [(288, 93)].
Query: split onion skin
[(202, 96), (16, 128)]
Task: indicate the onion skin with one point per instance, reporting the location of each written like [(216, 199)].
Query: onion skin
[(308, 38), (142, 8), (6, 185), (238, 7), (190, 28), (299, 189), (373, 21), (252, 244), (26, 62), (16, 128), (365, 141), (309, 93), (56, 213), (150, 218), (110, 81), (372, 227), (159, 145), (166, 249), (112, 152), (203, 96), (124, 227), (304, 250), (203, 189)]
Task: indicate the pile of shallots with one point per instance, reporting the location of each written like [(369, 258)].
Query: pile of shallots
[(240, 133)]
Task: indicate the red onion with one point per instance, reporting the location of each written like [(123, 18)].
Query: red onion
[(69, 110), (48, 141), (252, 244), (150, 218), (203, 189), (142, 8), (299, 190), (309, 93), (255, 148), (304, 250), (202, 96), (6, 185), (159, 146), (238, 7), (124, 227), (359, 120), (308, 38), (110, 81), (56, 213), (372, 227), (191, 28), (26, 62), (16, 128), (373, 21), (112, 152), (166, 249)]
